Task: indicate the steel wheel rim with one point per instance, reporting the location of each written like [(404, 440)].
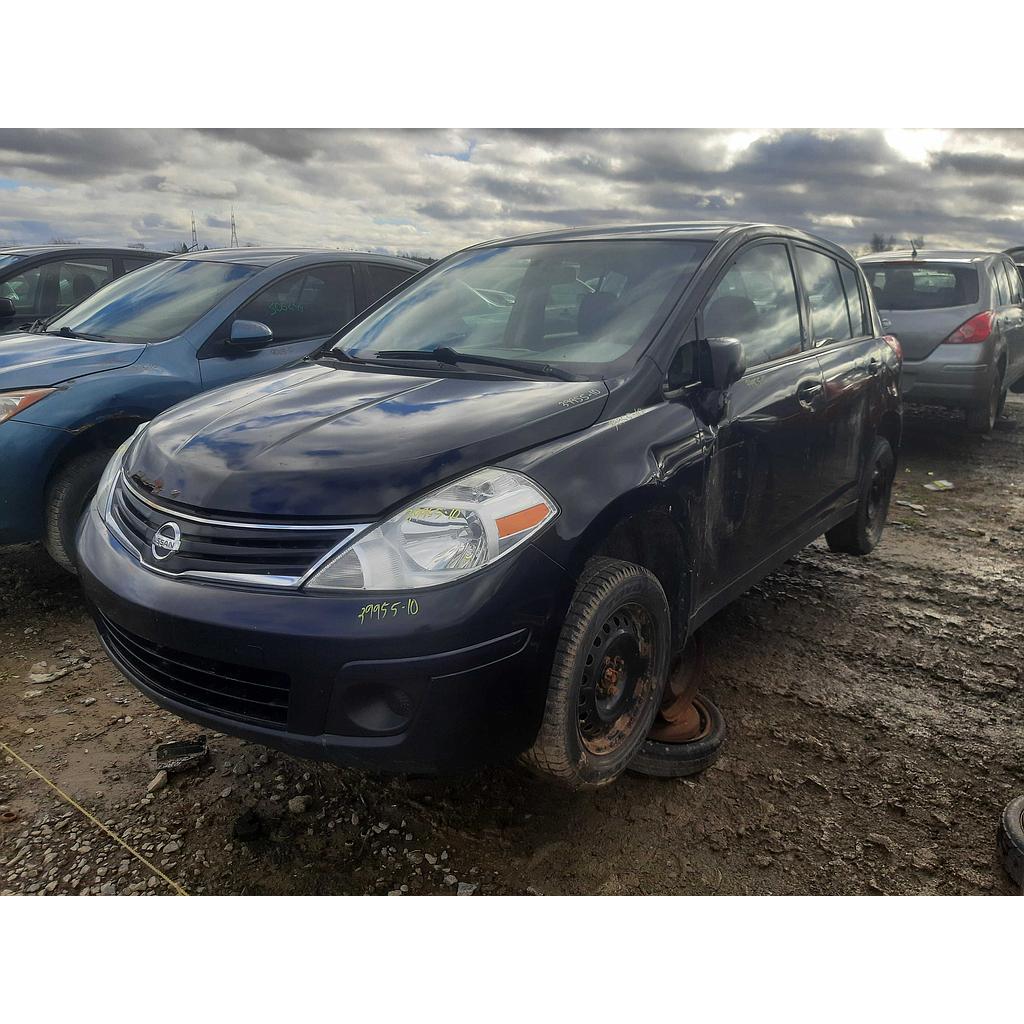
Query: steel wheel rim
[(617, 684)]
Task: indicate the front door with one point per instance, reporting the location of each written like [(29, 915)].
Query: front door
[(303, 309), (765, 468)]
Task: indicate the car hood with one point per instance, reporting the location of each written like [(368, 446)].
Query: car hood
[(322, 441), (40, 360)]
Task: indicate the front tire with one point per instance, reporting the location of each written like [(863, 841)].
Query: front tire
[(861, 532), (67, 496), (607, 676)]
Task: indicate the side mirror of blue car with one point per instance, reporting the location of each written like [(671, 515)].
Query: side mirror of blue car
[(250, 334), (7, 309)]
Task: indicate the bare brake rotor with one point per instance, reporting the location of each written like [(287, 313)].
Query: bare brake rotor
[(680, 720)]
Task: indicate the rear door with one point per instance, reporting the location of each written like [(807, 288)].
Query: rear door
[(303, 309), (765, 469), (1011, 319), (851, 359)]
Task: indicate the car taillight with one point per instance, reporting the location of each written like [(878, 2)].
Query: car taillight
[(894, 343), (975, 330)]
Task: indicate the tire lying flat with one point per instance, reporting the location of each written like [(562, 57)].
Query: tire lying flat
[(680, 760), (1010, 837)]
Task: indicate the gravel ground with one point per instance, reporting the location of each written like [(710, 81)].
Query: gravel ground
[(874, 709)]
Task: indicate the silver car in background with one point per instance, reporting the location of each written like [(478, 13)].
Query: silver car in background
[(960, 320)]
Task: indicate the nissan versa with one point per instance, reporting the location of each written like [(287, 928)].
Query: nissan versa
[(486, 517), (71, 392)]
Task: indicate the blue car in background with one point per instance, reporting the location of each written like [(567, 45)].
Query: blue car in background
[(70, 394)]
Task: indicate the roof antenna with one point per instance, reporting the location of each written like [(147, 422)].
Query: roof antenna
[(913, 249)]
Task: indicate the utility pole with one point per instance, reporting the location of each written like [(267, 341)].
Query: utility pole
[(234, 232), (195, 239)]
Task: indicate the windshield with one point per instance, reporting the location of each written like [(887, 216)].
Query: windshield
[(922, 285), (581, 305), (155, 303)]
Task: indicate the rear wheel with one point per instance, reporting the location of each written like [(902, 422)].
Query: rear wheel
[(607, 676), (860, 534), (982, 419), (67, 496), (1010, 837)]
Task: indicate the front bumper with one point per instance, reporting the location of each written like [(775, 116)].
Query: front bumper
[(457, 680), (955, 375), (27, 452)]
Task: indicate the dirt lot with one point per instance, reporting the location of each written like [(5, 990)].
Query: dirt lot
[(874, 709)]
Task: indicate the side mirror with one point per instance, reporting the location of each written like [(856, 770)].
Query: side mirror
[(726, 363), (250, 334), (7, 309)]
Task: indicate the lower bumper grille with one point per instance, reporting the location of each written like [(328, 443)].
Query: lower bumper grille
[(222, 688)]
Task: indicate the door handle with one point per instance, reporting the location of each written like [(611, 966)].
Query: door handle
[(807, 391)]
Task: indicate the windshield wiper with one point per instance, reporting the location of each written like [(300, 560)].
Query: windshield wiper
[(66, 332), (451, 357)]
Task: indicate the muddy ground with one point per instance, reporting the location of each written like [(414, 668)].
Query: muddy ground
[(874, 709)]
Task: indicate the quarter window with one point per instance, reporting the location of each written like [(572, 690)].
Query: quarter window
[(830, 317), (999, 283), (756, 302), (130, 264), (307, 304), (854, 301), (1012, 282)]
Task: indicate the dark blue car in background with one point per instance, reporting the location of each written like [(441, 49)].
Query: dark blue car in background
[(70, 394)]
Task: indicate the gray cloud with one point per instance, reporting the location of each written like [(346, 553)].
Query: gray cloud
[(432, 191)]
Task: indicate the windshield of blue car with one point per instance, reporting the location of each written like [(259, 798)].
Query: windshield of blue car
[(586, 307), (153, 304)]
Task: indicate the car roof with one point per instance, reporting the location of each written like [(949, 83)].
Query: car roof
[(267, 257), (929, 256), (57, 250), (700, 230)]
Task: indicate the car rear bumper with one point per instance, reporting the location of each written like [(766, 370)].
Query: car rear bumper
[(955, 375), (457, 679), (27, 451)]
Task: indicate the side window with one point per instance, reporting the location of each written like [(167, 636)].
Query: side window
[(999, 283), (78, 279), (756, 302), (131, 264), (306, 304), (384, 279), (23, 290), (859, 322), (1012, 282), (830, 317)]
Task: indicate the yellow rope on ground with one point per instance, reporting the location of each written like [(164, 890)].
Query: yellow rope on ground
[(99, 824)]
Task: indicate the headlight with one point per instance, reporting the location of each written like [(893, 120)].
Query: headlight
[(105, 488), (13, 402), (450, 533)]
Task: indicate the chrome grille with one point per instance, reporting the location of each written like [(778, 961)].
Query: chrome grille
[(256, 552)]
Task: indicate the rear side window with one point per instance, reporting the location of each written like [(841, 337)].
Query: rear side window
[(1013, 273), (1008, 279), (306, 304), (756, 302), (830, 316), (922, 285), (131, 264), (78, 279), (384, 279)]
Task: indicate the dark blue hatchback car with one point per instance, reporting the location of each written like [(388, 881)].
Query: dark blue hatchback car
[(486, 518), (71, 393)]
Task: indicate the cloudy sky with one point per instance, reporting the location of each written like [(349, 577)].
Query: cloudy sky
[(428, 192)]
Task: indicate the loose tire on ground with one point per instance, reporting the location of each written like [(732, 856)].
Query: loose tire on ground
[(67, 495), (1010, 838), (679, 760), (860, 534), (607, 676)]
